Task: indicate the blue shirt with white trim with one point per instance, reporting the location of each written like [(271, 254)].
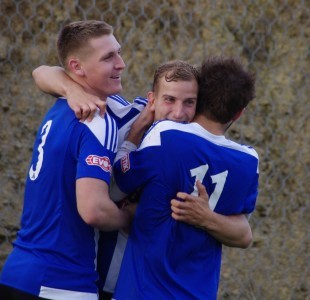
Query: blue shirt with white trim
[(112, 244), (165, 259), (54, 255)]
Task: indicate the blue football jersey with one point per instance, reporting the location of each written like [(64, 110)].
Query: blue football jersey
[(54, 255), (166, 259)]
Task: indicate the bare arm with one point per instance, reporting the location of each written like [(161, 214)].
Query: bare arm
[(232, 231), (54, 80), (97, 209)]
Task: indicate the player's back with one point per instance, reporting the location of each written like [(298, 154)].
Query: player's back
[(174, 260)]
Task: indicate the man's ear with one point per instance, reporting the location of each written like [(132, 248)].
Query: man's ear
[(151, 100), (238, 115), (75, 67)]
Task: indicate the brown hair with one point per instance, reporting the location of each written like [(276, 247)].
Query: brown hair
[(225, 88), (74, 37), (173, 71)]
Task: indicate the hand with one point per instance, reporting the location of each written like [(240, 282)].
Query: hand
[(193, 210), (83, 104), (140, 125), (131, 209)]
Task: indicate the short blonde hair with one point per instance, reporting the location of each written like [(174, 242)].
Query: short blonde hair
[(75, 36), (175, 70)]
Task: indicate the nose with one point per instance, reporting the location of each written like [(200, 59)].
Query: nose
[(120, 64), (178, 113)]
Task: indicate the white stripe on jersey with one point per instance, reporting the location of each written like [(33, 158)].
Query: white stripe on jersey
[(112, 127), (140, 100), (119, 99), (105, 129), (116, 261), (153, 136), (58, 294), (126, 114), (122, 108), (96, 239)]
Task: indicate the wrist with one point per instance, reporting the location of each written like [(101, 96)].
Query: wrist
[(210, 223), (68, 88), (135, 135)]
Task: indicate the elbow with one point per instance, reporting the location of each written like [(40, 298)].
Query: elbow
[(102, 221), (246, 240), (36, 73), (91, 218)]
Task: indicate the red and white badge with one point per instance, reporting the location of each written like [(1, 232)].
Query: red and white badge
[(101, 161), (125, 163)]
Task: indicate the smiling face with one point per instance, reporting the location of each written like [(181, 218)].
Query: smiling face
[(174, 100), (99, 66)]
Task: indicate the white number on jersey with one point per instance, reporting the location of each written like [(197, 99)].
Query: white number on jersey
[(34, 173), (219, 179)]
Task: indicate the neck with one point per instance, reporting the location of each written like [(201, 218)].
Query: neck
[(84, 85), (211, 126)]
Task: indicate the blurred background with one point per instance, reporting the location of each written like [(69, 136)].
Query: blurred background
[(272, 39)]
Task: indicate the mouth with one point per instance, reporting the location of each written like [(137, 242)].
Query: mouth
[(116, 77)]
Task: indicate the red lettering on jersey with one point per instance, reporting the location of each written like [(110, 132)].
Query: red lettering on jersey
[(101, 161), (125, 163)]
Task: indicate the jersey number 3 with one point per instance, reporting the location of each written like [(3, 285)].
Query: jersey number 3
[(219, 179), (34, 172)]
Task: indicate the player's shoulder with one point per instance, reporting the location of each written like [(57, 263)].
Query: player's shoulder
[(163, 125), (153, 136), (117, 101), (103, 127), (98, 119), (242, 148)]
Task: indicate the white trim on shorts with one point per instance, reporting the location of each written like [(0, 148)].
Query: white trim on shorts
[(58, 294)]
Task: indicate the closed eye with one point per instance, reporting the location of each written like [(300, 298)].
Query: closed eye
[(108, 57)]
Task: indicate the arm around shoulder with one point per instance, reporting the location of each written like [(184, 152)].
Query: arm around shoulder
[(51, 80), (54, 80)]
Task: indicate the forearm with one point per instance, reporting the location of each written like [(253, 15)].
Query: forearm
[(140, 125), (113, 218), (97, 209), (135, 134), (232, 231), (53, 80)]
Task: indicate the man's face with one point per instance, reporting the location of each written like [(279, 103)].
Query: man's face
[(102, 66), (174, 100)]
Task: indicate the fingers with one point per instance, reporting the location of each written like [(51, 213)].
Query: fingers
[(202, 190), (176, 210), (179, 209), (78, 112), (102, 107), (88, 111), (93, 107), (91, 113), (82, 112)]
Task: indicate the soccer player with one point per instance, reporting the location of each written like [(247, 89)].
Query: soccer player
[(66, 196), (165, 258)]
